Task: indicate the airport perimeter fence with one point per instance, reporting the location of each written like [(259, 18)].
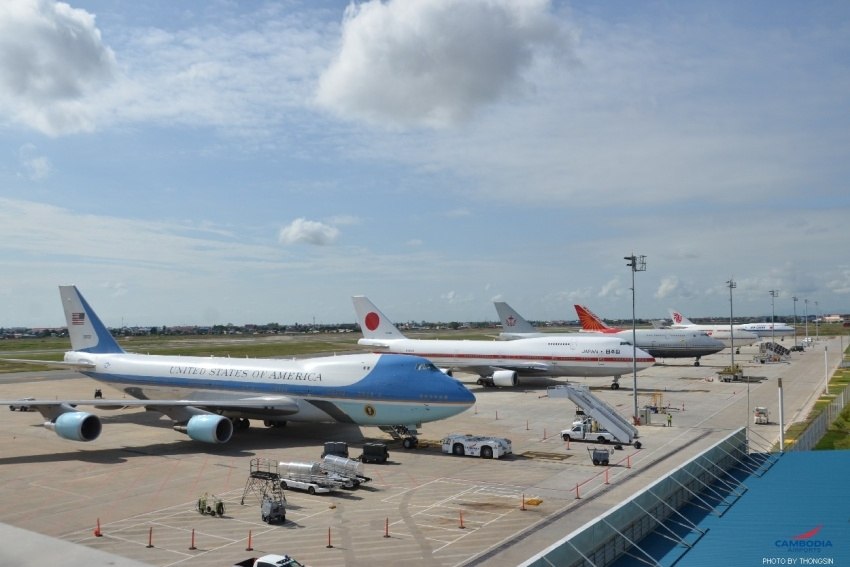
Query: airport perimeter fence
[(807, 440)]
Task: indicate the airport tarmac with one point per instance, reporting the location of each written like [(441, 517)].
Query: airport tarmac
[(142, 484)]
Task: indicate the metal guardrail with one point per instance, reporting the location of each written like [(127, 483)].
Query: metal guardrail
[(819, 425)]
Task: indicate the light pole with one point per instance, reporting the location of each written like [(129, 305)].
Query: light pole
[(817, 316), (794, 297), (774, 293), (731, 284), (806, 301), (637, 264)]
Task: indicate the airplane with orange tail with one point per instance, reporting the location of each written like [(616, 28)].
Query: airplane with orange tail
[(660, 343)]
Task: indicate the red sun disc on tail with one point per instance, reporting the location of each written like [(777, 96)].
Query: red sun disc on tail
[(372, 321)]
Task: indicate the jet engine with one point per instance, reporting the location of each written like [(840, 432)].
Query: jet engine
[(501, 378), (208, 428), (76, 426)]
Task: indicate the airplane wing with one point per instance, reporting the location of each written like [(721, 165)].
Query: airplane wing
[(281, 405), (55, 363)]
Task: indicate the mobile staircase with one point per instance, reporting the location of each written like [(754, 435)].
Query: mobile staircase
[(264, 482), (772, 352), (599, 410)]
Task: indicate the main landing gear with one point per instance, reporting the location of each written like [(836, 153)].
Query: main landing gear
[(696, 361), (407, 434), (616, 384)]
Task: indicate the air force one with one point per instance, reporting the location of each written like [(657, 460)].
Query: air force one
[(499, 363), (393, 392), (660, 343), (722, 333)]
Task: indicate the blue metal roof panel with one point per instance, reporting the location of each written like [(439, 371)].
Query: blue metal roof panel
[(796, 514)]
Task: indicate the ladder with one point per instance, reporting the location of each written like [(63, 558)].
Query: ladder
[(264, 481)]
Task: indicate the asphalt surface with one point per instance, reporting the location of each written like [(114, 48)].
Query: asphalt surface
[(141, 484)]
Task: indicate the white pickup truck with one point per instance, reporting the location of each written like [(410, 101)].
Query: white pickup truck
[(269, 561), (477, 446), (582, 431)]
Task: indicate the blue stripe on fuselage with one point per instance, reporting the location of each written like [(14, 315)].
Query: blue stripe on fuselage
[(393, 378)]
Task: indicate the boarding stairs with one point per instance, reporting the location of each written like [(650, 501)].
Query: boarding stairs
[(772, 352), (598, 409)]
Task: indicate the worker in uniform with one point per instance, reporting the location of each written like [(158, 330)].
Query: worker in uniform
[(669, 420)]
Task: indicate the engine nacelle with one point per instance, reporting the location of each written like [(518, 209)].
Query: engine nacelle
[(505, 378), (76, 426), (209, 428), (501, 378)]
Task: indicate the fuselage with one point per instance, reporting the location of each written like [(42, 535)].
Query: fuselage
[(767, 329), (541, 356), (722, 333), (366, 389), (661, 343)]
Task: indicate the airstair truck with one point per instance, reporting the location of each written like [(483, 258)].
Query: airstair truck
[(614, 427)]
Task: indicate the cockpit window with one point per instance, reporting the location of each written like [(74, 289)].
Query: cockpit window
[(426, 366)]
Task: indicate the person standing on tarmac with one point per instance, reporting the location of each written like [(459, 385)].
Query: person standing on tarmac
[(669, 420)]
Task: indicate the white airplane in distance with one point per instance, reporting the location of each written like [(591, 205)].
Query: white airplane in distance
[(767, 330), (722, 333), (207, 396), (499, 363), (660, 343)]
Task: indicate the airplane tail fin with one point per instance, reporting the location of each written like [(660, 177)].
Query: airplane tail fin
[(590, 321), (512, 321), (87, 332), (678, 318), (373, 323)]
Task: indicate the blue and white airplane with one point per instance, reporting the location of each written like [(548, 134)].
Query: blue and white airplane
[(207, 396)]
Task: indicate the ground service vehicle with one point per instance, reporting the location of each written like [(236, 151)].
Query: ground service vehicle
[(348, 471), (599, 456), (307, 476), (22, 405), (583, 431), (273, 510), (269, 561), (477, 446), (338, 448), (761, 415), (374, 453)]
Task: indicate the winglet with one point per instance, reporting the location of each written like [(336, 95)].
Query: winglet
[(512, 322), (591, 322), (373, 323), (87, 332)]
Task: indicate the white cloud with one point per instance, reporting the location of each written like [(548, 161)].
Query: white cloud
[(51, 58), (667, 287), (611, 288), (433, 62), (309, 232), (35, 167)]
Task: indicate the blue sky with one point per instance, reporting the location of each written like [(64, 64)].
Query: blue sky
[(234, 162)]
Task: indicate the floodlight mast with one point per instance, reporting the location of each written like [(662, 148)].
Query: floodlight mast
[(794, 297), (732, 284), (637, 264), (774, 293)]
